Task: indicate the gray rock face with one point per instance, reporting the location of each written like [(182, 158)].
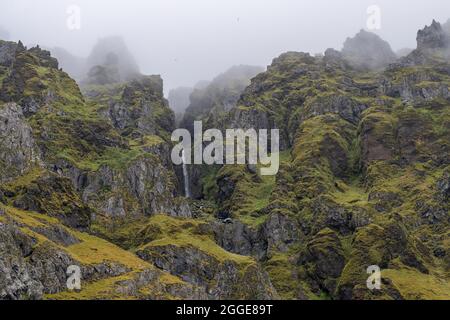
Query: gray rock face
[(7, 53), (334, 59), (281, 232), (28, 270), (15, 278), (218, 279), (240, 239), (144, 187), (141, 109), (150, 277), (331, 215), (368, 51), (277, 234), (432, 37), (412, 88), (17, 148), (344, 106), (443, 186), (433, 45)]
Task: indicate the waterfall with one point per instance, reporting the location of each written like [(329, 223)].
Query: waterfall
[(186, 177)]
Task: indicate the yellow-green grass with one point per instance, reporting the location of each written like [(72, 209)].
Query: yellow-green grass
[(414, 285)]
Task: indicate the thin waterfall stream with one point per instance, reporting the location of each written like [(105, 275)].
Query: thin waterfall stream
[(186, 177)]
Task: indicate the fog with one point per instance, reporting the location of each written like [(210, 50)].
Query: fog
[(191, 40)]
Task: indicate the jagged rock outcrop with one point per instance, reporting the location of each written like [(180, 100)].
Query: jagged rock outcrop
[(219, 279), (142, 108), (432, 37), (432, 47), (109, 62), (368, 51), (7, 53), (112, 51), (18, 151)]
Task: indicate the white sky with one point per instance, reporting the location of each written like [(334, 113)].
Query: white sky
[(189, 40)]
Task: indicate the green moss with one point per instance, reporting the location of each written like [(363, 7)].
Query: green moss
[(283, 276), (104, 289), (166, 230), (353, 193), (414, 285), (93, 250)]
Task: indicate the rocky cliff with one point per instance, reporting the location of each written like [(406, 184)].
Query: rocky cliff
[(364, 169), (78, 167), (86, 180)]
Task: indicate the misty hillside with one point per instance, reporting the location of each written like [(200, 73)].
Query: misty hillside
[(4, 34), (73, 65), (366, 50), (87, 179), (179, 100), (219, 96), (109, 62)]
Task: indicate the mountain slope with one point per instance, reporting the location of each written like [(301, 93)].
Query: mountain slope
[(365, 181), (75, 166), (86, 179)]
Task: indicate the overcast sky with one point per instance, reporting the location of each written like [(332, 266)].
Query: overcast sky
[(190, 40)]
